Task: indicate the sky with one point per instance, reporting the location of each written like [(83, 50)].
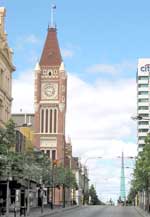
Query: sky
[(100, 42)]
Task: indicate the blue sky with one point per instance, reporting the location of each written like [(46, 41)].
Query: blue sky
[(108, 32), (101, 42)]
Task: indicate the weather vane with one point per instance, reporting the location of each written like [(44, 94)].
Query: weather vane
[(53, 7)]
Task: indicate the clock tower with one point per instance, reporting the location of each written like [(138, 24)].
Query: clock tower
[(50, 99)]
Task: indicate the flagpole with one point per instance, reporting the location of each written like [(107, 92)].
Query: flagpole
[(53, 7), (52, 16)]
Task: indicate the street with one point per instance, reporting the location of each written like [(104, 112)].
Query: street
[(101, 211)]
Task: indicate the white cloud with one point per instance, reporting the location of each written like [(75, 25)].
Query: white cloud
[(98, 121), (24, 40), (31, 39), (112, 68), (101, 111), (23, 92), (67, 53)]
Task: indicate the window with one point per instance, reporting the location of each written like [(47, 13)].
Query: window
[(141, 137), (42, 121), (51, 120), (53, 154), (143, 85), (55, 73), (143, 130), (144, 115), (63, 88), (143, 122), (143, 92), (143, 77), (141, 145), (143, 100), (48, 153), (55, 121), (50, 72), (46, 121), (42, 151), (143, 108)]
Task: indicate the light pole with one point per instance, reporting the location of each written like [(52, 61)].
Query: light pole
[(85, 176)]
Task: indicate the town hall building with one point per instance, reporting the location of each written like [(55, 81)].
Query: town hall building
[(50, 99)]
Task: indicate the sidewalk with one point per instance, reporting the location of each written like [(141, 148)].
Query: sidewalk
[(47, 212), (142, 212)]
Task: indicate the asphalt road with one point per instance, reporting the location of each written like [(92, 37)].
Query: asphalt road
[(98, 211)]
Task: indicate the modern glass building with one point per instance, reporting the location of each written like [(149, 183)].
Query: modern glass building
[(143, 100)]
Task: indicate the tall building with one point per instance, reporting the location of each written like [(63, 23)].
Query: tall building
[(50, 99), (143, 100), (6, 69)]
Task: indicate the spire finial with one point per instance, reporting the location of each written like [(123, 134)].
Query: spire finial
[(53, 7)]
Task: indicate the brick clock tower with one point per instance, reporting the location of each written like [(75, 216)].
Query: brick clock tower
[(50, 99)]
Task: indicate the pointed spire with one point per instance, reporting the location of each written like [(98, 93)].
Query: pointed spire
[(51, 55), (37, 67), (122, 181), (62, 67)]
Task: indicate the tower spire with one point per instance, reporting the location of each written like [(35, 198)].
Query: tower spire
[(122, 181), (53, 7)]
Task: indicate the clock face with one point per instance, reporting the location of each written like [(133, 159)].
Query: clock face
[(49, 90)]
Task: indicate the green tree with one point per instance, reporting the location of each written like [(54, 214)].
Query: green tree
[(141, 179), (7, 142), (93, 196), (8, 135)]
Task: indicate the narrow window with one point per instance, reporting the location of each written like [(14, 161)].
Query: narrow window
[(51, 119), (48, 153), (46, 121), (53, 154), (42, 121), (55, 121), (42, 151)]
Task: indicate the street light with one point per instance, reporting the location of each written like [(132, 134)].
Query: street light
[(90, 158), (84, 175)]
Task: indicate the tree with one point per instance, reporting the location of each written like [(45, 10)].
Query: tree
[(8, 135), (141, 179), (93, 196), (7, 142)]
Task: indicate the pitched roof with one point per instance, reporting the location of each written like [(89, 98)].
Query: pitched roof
[(51, 55)]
